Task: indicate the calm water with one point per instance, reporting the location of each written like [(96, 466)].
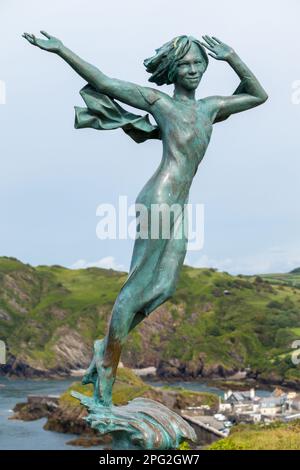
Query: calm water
[(200, 387), (15, 434)]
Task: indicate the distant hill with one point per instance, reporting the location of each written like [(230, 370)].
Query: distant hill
[(292, 278), (215, 325), (295, 271)]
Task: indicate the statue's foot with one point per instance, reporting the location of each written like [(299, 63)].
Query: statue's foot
[(90, 377), (99, 376), (103, 392), (105, 378)]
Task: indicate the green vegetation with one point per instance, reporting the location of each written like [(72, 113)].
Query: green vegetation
[(291, 279), (215, 319), (184, 446), (276, 436)]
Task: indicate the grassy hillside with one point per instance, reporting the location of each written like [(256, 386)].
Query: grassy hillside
[(277, 436), (291, 279), (216, 323)]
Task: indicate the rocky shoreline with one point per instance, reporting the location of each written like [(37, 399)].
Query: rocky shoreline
[(169, 372), (59, 419)]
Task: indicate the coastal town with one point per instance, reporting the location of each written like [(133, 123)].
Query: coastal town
[(237, 407)]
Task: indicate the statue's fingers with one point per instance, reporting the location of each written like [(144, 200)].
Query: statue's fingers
[(44, 33), (207, 46), (28, 37), (209, 40), (217, 40)]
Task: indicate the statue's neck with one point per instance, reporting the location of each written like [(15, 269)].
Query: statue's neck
[(183, 94)]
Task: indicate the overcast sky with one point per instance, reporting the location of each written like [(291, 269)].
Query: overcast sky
[(53, 177)]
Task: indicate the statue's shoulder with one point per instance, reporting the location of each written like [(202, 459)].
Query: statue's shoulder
[(151, 95), (211, 102), (212, 106)]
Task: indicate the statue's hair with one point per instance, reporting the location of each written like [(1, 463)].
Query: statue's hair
[(163, 64)]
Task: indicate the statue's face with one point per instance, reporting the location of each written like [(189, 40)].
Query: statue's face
[(190, 69)]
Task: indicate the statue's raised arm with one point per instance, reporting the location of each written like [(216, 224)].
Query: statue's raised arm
[(129, 93), (249, 93)]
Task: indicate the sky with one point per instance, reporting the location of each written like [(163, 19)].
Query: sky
[(54, 177)]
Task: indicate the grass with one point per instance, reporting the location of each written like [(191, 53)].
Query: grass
[(290, 279), (276, 436), (296, 331)]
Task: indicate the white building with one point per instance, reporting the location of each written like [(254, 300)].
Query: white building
[(239, 402)]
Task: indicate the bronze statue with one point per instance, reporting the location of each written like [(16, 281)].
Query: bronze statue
[(184, 124)]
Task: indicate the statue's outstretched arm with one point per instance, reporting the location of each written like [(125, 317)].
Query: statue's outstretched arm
[(249, 93), (134, 95)]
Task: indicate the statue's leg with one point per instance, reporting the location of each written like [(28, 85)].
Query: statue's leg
[(91, 373), (150, 284), (153, 304), (166, 277), (127, 312), (126, 316)]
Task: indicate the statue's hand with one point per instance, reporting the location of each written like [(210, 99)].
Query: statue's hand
[(219, 49), (51, 44)]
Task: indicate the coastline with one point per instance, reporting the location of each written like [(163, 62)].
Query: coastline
[(147, 374), (63, 415)]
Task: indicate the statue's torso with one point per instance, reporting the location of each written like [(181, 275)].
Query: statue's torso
[(186, 129)]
